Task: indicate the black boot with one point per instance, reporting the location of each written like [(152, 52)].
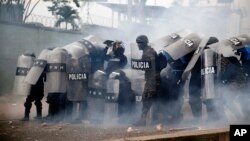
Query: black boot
[(26, 115), (49, 116), (38, 110), (27, 106), (38, 115)]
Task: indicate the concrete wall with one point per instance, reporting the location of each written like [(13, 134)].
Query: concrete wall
[(17, 39)]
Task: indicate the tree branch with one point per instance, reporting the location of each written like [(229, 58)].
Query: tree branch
[(31, 10), (27, 5)]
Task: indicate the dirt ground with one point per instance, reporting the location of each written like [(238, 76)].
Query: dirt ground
[(12, 129)]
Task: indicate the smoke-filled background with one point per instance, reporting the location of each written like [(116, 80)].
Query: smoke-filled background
[(123, 20)]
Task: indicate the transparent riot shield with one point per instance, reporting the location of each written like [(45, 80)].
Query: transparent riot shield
[(96, 96), (228, 47), (194, 58), (113, 87), (78, 69), (96, 77), (24, 63), (56, 71), (209, 74), (94, 39), (182, 47), (38, 67), (137, 75), (167, 40), (111, 99)]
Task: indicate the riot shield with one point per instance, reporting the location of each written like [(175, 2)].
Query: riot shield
[(111, 98), (38, 67), (78, 69), (56, 71), (97, 84), (137, 75), (194, 58), (96, 49), (76, 49), (92, 46), (209, 74), (228, 47), (94, 39), (182, 47), (112, 87), (96, 96), (169, 39), (24, 63)]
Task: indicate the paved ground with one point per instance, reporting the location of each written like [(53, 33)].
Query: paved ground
[(12, 129), (34, 131)]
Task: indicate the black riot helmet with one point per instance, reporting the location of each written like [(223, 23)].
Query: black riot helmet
[(142, 41), (212, 40)]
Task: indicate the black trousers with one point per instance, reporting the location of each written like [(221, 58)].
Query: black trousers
[(57, 105), (37, 97)]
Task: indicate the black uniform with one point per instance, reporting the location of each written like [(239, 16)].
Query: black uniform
[(152, 78), (233, 81), (36, 94), (126, 99), (172, 90), (77, 91), (195, 93), (245, 97), (195, 101), (117, 53)]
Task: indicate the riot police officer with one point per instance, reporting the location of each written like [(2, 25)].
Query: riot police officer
[(245, 97), (195, 86), (172, 89), (36, 94), (152, 78), (116, 58), (126, 98)]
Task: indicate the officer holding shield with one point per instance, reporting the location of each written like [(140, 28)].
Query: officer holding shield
[(116, 58), (36, 94)]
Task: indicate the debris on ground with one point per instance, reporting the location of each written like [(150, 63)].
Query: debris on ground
[(44, 124), (184, 129), (130, 129), (10, 122), (159, 127)]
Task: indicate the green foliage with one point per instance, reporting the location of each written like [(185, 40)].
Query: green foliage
[(65, 13), (68, 15)]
